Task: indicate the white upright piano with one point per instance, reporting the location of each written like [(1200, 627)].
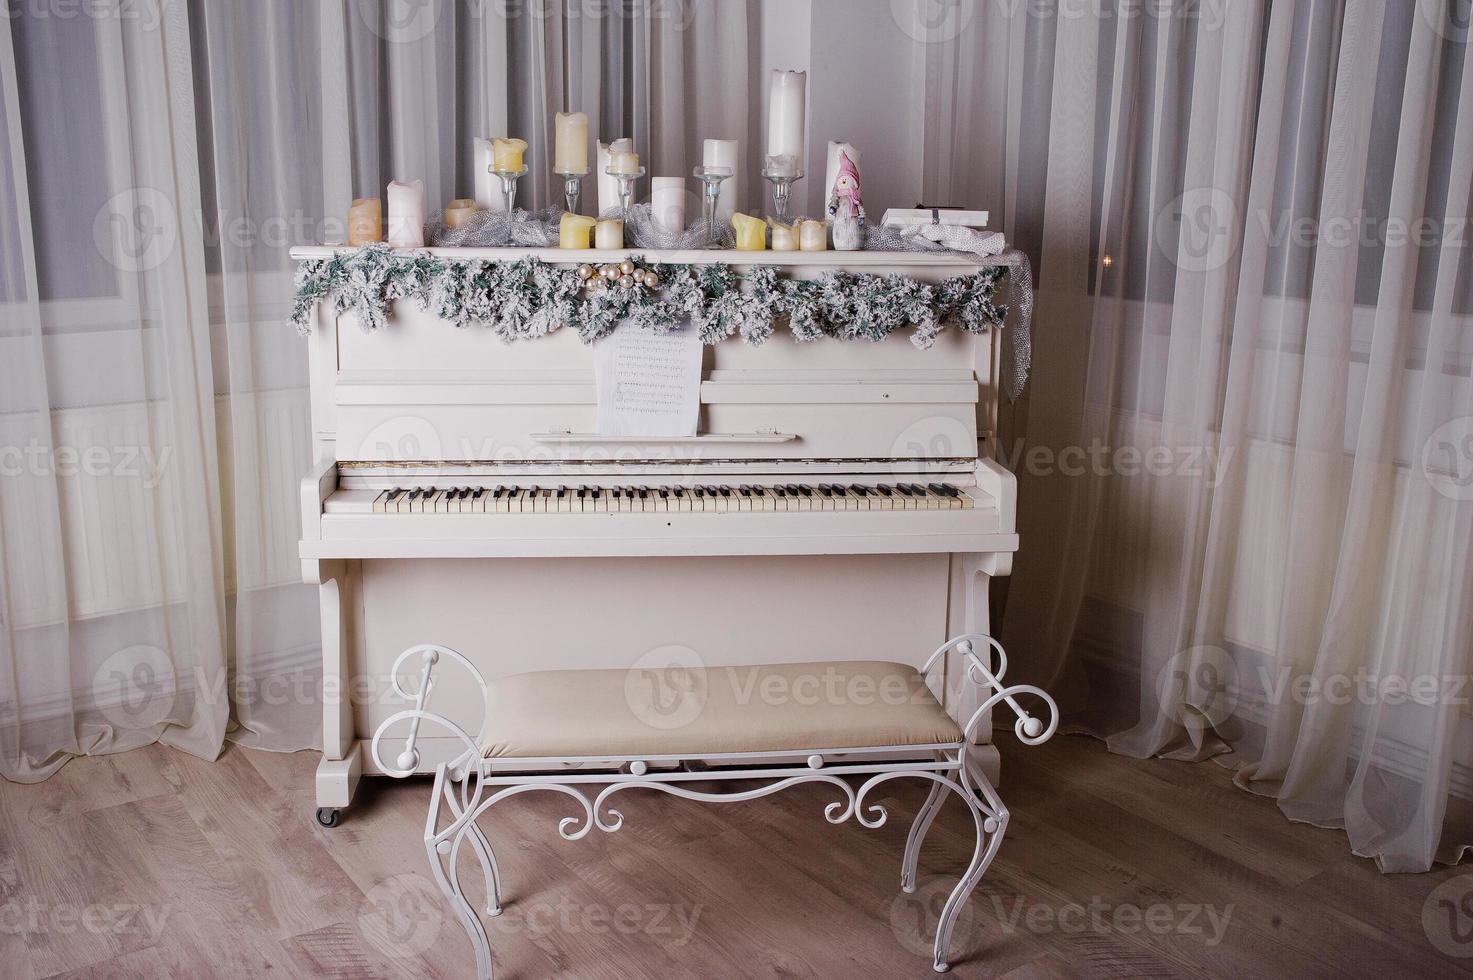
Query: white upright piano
[(841, 501)]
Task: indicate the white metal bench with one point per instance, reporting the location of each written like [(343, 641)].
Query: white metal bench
[(562, 731)]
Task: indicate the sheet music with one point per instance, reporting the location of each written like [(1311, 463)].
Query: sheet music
[(648, 384)]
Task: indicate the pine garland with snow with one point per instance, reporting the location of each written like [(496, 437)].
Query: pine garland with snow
[(529, 298)]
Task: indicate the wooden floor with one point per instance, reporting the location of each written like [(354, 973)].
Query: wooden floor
[(153, 863)]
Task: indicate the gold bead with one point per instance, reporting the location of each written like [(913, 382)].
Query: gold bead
[(610, 272), (626, 267), (626, 281)]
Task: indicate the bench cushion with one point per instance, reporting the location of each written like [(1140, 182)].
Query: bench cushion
[(695, 712)]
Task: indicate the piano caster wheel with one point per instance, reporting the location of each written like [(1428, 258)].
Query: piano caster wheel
[(329, 816)]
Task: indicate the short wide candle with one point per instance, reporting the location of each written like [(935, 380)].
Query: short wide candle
[(609, 234), (365, 221), (573, 230), (507, 154), (784, 237), (751, 233), (459, 211), (813, 236)]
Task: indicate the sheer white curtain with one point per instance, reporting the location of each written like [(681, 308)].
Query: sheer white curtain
[(157, 162), (1247, 477)]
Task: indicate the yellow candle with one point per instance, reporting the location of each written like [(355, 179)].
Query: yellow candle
[(506, 154), (784, 237), (459, 211), (365, 221), (570, 146), (574, 230), (814, 235), (609, 234), (751, 233)]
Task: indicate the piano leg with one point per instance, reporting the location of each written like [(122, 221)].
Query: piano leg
[(342, 761), (971, 580)]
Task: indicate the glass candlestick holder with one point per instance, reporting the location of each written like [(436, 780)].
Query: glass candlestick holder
[(509, 180), (711, 178), (572, 190), (626, 185), (782, 185)]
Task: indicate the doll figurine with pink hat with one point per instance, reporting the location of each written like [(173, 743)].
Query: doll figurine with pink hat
[(845, 208)]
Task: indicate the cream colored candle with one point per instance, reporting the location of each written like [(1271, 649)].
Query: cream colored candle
[(813, 236), (365, 221), (784, 237), (574, 231), (406, 226), (751, 233), (723, 153), (506, 154), (459, 211), (622, 158), (609, 234), (570, 143)]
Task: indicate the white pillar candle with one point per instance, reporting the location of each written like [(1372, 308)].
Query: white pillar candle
[(785, 102), (723, 153), (609, 233), (831, 172), (667, 197), (406, 226), (489, 196), (570, 146)]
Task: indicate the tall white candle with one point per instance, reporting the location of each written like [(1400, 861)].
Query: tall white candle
[(831, 172), (785, 102), (406, 226), (488, 187), (723, 153), (667, 197), (570, 147)]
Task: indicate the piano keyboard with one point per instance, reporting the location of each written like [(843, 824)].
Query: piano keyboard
[(656, 499)]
